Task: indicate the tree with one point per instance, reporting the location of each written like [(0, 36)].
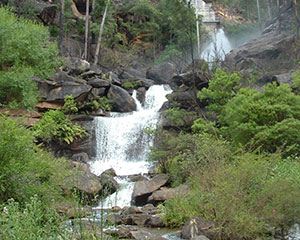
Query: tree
[(297, 19), (86, 29), (61, 25), (100, 35)]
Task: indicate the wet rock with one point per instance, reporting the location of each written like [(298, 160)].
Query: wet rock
[(197, 227), (143, 189), (137, 177), (110, 172), (81, 157), (99, 83), (161, 74), (168, 193), (122, 101), (141, 94)]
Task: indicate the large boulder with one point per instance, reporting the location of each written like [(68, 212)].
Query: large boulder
[(109, 184), (184, 99), (84, 181), (161, 74), (196, 80), (168, 193), (77, 66), (99, 83), (122, 101), (143, 189)]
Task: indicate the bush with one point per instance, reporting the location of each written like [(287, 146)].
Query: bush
[(34, 221), (25, 51), (221, 89), (55, 126), (25, 170), (269, 119), (245, 198)]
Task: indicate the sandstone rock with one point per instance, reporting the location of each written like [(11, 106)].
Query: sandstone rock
[(168, 193), (48, 106), (162, 73), (143, 189), (123, 102)]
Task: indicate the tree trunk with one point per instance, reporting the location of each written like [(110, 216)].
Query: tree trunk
[(297, 20), (93, 9), (61, 26), (100, 35), (86, 29), (269, 6), (258, 14)]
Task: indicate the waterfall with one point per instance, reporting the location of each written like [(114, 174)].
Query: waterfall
[(123, 144), (218, 47)]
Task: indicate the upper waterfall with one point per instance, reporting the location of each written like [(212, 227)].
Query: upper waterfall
[(122, 143)]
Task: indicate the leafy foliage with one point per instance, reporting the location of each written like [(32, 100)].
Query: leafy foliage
[(25, 51), (55, 126), (25, 170), (269, 119)]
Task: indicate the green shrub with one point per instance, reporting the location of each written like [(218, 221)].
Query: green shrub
[(69, 105), (269, 119), (25, 170), (34, 221), (25, 51), (245, 198), (55, 126), (221, 89)]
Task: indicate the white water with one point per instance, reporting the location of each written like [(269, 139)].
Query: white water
[(123, 144), (218, 47)]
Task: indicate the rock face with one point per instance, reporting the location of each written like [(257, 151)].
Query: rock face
[(143, 189), (161, 74), (122, 100), (262, 53)]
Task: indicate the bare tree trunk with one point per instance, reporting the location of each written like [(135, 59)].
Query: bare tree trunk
[(93, 9), (100, 35), (61, 26), (297, 19), (86, 29), (258, 14)]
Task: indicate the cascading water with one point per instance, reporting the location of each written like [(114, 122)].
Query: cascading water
[(123, 144), (218, 47)]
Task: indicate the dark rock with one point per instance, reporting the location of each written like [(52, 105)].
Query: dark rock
[(137, 177), (149, 208), (96, 69), (154, 222), (197, 80), (135, 219), (61, 77), (84, 181), (98, 92), (76, 66), (162, 73), (88, 74), (164, 107), (109, 184), (132, 74), (198, 227), (131, 210), (141, 94), (74, 89), (113, 77), (186, 121), (110, 172), (262, 53), (48, 13), (81, 157), (143, 189), (184, 99), (122, 101), (99, 83), (168, 193)]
